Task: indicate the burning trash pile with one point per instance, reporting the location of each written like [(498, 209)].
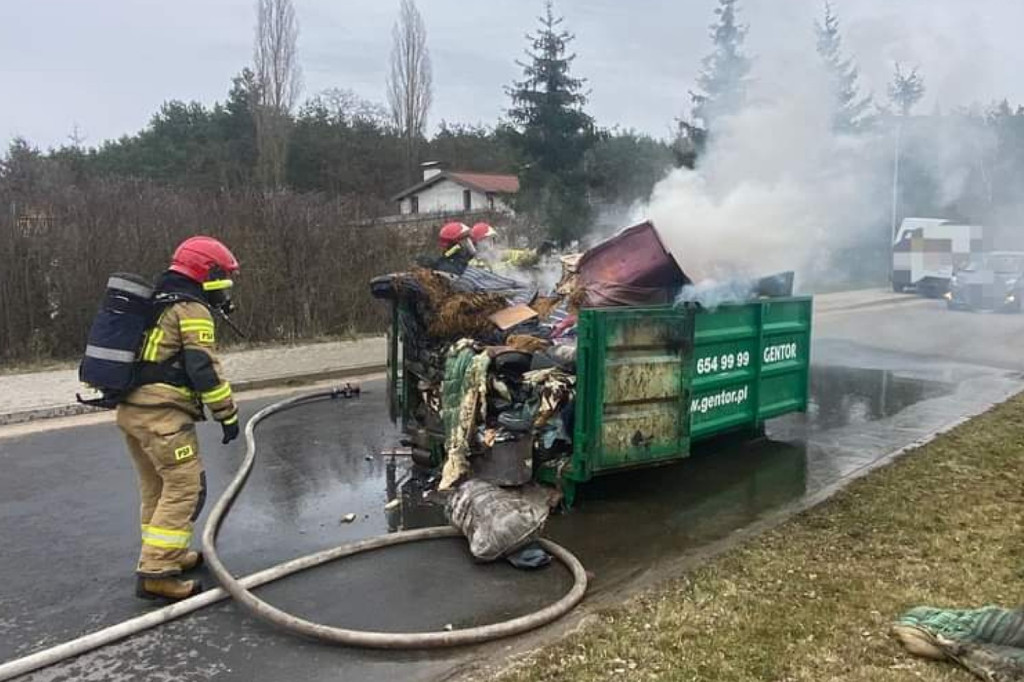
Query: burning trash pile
[(489, 363)]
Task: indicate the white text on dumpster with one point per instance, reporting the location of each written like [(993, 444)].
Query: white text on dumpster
[(706, 403), (725, 363), (780, 353)]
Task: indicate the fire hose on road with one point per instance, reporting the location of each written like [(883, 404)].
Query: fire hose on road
[(240, 589)]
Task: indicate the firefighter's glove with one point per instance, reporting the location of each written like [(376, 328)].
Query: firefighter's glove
[(230, 427)]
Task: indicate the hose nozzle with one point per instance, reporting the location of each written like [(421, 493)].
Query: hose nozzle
[(346, 391)]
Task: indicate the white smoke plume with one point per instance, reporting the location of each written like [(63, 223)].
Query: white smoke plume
[(777, 188), (710, 293)]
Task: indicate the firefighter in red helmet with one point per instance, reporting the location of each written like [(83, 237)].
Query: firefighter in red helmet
[(457, 248), (179, 378), (483, 235), (482, 232)]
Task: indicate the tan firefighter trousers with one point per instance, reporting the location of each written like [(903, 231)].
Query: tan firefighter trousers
[(164, 448)]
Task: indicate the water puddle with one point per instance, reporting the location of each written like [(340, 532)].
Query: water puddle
[(841, 396)]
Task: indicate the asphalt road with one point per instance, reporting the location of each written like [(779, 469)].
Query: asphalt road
[(883, 377), (924, 327)]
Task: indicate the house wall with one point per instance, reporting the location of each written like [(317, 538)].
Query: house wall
[(447, 197)]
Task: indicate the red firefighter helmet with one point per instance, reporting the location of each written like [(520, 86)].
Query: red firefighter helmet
[(203, 259), (452, 233), (482, 231)]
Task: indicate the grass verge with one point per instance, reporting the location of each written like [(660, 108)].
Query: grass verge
[(813, 599)]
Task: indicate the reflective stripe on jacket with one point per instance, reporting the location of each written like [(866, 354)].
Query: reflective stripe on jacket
[(185, 335)]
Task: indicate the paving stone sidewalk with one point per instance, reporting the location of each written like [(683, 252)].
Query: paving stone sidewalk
[(40, 395)]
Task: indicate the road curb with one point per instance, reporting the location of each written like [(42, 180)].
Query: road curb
[(75, 409)]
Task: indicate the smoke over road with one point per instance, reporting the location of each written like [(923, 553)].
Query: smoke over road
[(779, 188)]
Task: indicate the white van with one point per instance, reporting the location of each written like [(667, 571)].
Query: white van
[(928, 250)]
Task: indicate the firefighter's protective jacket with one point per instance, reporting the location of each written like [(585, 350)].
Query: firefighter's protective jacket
[(178, 363)]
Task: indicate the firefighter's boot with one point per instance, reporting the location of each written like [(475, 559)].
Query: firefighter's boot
[(192, 559), (166, 589)]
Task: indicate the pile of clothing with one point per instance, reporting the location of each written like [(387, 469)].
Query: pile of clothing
[(493, 366), (490, 362), (496, 399)]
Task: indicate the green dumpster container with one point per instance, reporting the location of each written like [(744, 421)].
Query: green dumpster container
[(650, 381)]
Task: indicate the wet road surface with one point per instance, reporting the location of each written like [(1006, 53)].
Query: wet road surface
[(67, 502)]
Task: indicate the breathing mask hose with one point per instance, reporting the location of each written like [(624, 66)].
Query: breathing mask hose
[(230, 323), (240, 588)]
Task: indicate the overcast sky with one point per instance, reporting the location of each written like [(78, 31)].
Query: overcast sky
[(107, 65)]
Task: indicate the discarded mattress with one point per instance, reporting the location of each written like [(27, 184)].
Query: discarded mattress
[(631, 268)]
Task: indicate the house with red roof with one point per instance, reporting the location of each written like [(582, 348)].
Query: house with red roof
[(448, 192)]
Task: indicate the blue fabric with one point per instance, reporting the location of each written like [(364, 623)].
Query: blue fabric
[(477, 279), (530, 558)]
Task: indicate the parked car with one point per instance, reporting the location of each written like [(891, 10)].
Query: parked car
[(927, 251), (991, 281)]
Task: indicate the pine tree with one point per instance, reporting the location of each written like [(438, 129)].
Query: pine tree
[(906, 89), (850, 107), (723, 80), (551, 132)]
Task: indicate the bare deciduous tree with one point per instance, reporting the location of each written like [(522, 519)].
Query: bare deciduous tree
[(279, 83), (59, 240), (410, 83)]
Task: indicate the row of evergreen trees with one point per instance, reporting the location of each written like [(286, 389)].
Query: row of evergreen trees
[(724, 81)]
